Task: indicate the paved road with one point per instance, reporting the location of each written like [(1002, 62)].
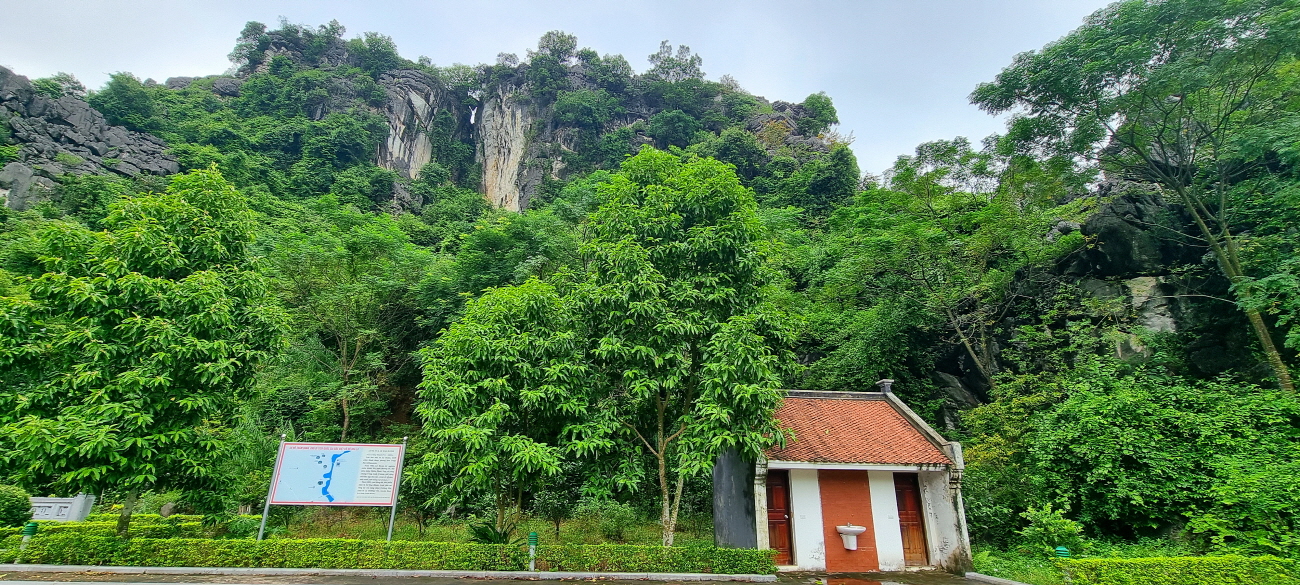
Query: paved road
[(21, 578)]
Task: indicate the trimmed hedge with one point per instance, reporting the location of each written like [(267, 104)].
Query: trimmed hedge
[(167, 530), (1225, 570), (146, 518), (334, 553)]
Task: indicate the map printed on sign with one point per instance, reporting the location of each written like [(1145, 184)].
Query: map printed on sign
[(336, 474)]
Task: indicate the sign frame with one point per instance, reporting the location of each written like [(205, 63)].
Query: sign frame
[(279, 461)]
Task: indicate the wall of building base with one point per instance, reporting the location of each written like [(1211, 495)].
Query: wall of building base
[(806, 520), (884, 511), (846, 499), (944, 526)]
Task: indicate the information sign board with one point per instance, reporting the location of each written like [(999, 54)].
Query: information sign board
[(336, 474)]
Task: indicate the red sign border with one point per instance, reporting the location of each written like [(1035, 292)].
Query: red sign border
[(279, 460)]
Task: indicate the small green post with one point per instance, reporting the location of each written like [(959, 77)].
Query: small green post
[(532, 551), (1062, 552), (29, 530)]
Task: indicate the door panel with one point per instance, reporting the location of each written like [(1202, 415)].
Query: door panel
[(778, 515), (908, 489)]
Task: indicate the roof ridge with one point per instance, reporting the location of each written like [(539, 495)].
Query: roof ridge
[(835, 394)]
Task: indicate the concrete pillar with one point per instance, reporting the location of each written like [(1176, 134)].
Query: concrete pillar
[(760, 503), (734, 524)]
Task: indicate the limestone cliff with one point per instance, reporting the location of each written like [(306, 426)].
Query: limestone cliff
[(414, 101), (57, 137), (502, 148)]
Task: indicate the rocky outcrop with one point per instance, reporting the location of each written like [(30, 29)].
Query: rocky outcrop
[(57, 137), (1135, 233), (415, 99), (503, 147)]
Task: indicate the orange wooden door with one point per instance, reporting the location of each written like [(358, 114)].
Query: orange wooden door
[(908, 489), (778, 515)]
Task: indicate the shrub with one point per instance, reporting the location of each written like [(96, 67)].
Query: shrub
[(8, 154), (15, 506), (375, 554), (610, 517), (68, 159), (1049, 529), (1226, 570), (142, 530)]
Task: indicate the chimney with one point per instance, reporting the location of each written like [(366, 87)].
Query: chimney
[(886, 386)]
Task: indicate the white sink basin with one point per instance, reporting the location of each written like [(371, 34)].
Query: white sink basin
[(849, 533)]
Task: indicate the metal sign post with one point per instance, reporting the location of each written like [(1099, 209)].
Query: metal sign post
[(393, 514), (266, 510)]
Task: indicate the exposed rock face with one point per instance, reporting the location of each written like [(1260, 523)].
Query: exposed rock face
[(63, 136), (414, 100), (503, 147), (1135, 234)]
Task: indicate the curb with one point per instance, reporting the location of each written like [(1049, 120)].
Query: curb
[(530, 575), (993, 580)]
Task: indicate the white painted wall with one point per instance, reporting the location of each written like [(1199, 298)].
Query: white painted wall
[(806, 516), (884, 514), (943, 527)]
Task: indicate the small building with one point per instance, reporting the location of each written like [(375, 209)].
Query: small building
[(865, 462)]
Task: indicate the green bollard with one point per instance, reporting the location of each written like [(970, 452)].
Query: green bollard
[(532, 551), (29, 530)]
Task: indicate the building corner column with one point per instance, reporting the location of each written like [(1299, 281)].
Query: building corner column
[(760, 503)]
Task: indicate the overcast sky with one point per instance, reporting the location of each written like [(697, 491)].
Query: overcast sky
[(898, 71)]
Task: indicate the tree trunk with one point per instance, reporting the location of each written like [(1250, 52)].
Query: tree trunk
[(1224, 246), (665, 514), (501, 509), (983, 369), (124, 520), (346, 419), (1270, 351)]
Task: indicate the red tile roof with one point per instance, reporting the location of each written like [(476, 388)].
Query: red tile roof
[(848, 430)]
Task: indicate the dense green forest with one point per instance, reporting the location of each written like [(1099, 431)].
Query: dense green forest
[(1102, 303)]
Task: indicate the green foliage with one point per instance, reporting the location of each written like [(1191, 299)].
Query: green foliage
[(15, 506), (362, 554), (1130, 452), (609, 517), (8, 153), (491, 403), (675, 67), (347, 277), (546, 76), (165, 529), (821, 114), (59, 85), (1034, 569), (251, 46), (487, 533), (742, 149), (376, 53), (673, 128), (136, 343), (1049, 529), (558, 45), (554, 506), (611, 72), (1173, 94), (68, 159), (125, 102), (586, 108), (1182, 571)]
